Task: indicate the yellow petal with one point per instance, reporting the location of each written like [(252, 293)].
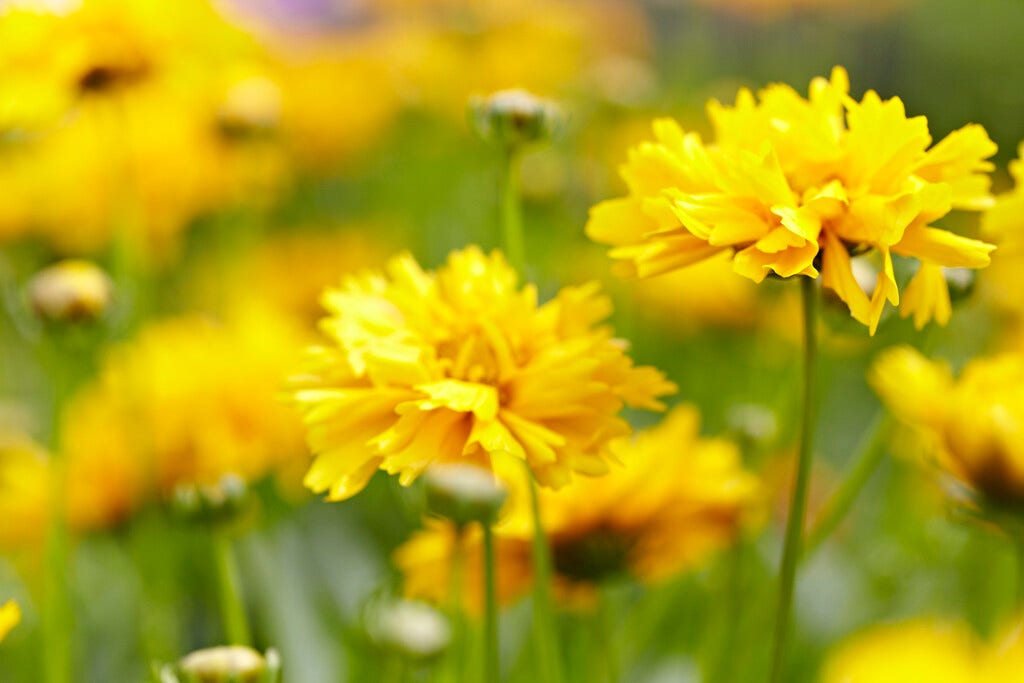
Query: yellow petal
[(837, 275), (927, 297), (10, 616), (943, 248)]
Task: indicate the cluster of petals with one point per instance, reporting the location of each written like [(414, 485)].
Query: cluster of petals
[(463, 364), (797, 186), (973, 423), (676, 498)]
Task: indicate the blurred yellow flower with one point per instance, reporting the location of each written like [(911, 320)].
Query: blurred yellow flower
[(24, 482), (1004, 225), (192, 401), (926, 650), (675, 500), (974, 424), (795, 185), (10, 616), (462, 363)]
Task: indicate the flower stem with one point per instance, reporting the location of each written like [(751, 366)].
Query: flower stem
[(57, 599), (491, 663), (607, 641), (869, 454), (456, 653), (229, 589), (544, 628), (798, 504), (512, 213)]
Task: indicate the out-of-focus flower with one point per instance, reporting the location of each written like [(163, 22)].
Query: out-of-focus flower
[(71, 290), (974, 424), (288, 270), (462, 364), (193, 401), (24, 484), (137, 150), (463, 493), (676, 499), (795, 185), (10, 616), (914, 651), (1004, 225), (224, 664), (773, 9), (513, 118), (414, 631), (926, 650)]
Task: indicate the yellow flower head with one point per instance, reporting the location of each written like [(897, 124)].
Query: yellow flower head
[(975, 423), (675, 500), (462, 363), (10, 616), (193, 401), (1004, 225), (793, 186)]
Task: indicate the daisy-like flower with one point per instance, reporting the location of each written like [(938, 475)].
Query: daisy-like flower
[(973, 424), (795, 186), (10, 616), (675, 500), (462, 363)]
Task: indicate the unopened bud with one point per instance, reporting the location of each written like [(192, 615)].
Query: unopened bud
[(70, 291), (961, 282), (463, 493), (234, 663), (414, 631), (210, 502), (513, 118), (251, 107), (753, 424)]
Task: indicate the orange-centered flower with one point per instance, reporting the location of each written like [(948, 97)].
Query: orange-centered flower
[(794, 186), (462, 363)]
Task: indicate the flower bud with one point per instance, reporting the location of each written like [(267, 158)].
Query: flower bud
[(513, 118), (233, 663), (960, 281), (210, 502), (72, 290), (251, 107), (414, 631), (753, 424), (463, 493)]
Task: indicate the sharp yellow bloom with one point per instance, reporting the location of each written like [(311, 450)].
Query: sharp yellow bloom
[(973, 423), (675, 500), (794, 186), (462, 363), (10, 616)]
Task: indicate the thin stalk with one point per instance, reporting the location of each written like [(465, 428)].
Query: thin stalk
[(607, 641), (57, 614), (869, 453), (544, 628), (229, 589), (798, 504), (454, 670), (512, 213), (491, 664)]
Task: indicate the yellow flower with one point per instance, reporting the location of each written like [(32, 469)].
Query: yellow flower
[(10, 616), (192, 401), (898, 653), (675, 500), (462, 363), (793, 186), (927, 650), (1004, 225), (24, 486), (974, 424)]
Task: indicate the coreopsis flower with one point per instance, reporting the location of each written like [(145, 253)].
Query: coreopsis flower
[(675, 499), (464, 364), (973, 424), (193, 401), (1004, 225), (926, 650), (10, 616), (794, 186)]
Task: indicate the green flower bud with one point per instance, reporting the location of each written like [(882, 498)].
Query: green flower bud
[(72, 290), (753, 424), (463, 493), (226, 664), (513, 118), (414, 631), (212, 502)]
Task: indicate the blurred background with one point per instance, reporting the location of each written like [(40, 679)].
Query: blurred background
[(225, 161)]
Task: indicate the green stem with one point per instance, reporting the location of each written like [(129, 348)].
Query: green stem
[(606, 635), (454, 670), (229, 589), (491, 664), (545, 631), (798, 504), (869, 453), (512, 214), (57, 599)]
